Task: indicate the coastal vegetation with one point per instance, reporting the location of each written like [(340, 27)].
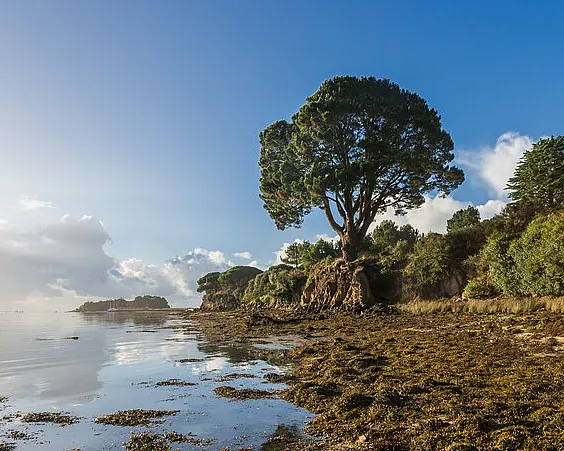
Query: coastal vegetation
[(139, 303)]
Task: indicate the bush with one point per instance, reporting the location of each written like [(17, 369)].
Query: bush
[(539, 256), (428, 265), (531, 263), (279, 286), (478, 288), (501, 266)]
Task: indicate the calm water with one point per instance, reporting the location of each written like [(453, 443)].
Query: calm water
[(114, 365)]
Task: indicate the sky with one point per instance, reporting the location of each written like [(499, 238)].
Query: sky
[(129, 130)]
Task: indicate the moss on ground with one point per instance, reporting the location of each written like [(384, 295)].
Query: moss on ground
[(425, 382), (135, 417)]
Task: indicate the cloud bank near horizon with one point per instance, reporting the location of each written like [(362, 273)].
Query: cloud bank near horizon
[(60, 264)]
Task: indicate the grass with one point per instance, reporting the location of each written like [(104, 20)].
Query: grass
[(496, 305)]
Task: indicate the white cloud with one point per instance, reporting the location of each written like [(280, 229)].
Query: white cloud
[(432, 216), (496, 165), (59, 265), (246, 255), (491, 208), (34, 204)]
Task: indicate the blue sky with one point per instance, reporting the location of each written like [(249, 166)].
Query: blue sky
[(146, 115)]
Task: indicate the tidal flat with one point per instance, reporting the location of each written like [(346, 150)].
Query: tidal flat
[(272, 381), (403, 381), (118, 387)]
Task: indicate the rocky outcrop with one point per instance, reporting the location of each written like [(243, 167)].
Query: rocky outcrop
[(220, 301), (349, 286)]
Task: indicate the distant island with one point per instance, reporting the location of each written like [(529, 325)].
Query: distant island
[(139, 303)]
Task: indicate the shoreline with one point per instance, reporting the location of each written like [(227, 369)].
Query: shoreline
[(456, 381)]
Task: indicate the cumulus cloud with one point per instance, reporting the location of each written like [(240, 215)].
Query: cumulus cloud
[(434, 213), (34, 204), (59, 265), (496, 165), (245, 255)]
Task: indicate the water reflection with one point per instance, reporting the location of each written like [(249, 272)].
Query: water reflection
[(115, 364)]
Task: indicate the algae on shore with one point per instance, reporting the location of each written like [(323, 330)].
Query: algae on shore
[(242, 394), (61, 419), (438, 381), (135, 417)]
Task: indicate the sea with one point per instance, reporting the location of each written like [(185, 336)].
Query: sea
[(91, 365)]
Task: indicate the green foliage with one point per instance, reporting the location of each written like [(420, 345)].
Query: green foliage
[(539, 177), (428, 265), (531, 263), (279, 286), (294, 252), (501, 266), (356, 147), (225, 290), (479, 288), (387, 235), (467, 217), (140, 302), (237, 276), (392, 244), (306, 254), (539, 256), (209, 282)]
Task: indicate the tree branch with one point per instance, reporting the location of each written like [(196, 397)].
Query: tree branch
[(327, 208)]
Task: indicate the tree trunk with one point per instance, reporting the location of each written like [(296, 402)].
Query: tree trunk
[(349, 243)]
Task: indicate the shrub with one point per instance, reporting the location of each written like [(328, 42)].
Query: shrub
[(479, 288), (279, 286), (539, 256), (428, 265), (531, 263)]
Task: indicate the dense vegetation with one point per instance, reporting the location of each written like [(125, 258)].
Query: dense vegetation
[(140, 302), (518, 252)]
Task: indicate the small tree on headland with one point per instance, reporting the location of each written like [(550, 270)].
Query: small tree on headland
[(355, 148), (539, 177)]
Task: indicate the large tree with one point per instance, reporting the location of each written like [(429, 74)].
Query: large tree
[(356, 147), (539, 177)]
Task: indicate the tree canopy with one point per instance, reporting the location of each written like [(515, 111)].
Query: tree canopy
[(539, 177), (356, 147), (466, 217)]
